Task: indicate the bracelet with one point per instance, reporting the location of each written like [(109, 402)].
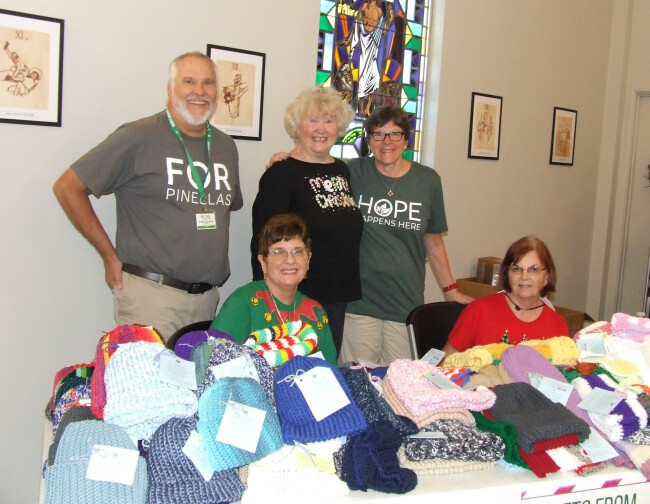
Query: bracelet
[(450, 287)]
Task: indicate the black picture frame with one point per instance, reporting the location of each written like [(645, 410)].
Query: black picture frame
[(31, 68), (240, 78), (485, 126), (563, 136)]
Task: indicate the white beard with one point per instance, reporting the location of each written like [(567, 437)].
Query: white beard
[(181, 108)]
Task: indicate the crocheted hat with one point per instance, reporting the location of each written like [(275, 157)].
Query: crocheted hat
[(72, 414), (420, 396), (535, 416), (65, 480), (627, 417), (436, 467), (630, 327), (370, 461), (136, 397), (78, 395), (297, 421), (227, 351), (282, 342), (184, 344), (212, 406), (105, 348), (65, 379), (372, 405), (173, 477)]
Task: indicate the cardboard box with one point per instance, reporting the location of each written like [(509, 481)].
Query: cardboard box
[(485, 268), (472, 287)]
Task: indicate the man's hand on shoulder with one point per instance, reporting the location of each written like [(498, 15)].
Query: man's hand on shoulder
[(278, 156)]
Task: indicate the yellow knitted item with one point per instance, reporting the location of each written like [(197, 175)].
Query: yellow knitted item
[(472, 358), (560, 350), (496, 349)]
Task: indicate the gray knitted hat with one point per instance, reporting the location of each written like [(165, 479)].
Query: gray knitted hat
[(173, 477), (536, 417)]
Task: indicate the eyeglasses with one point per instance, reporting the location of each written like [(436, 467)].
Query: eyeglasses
[(297, 253), (532, 270), (395, 136)]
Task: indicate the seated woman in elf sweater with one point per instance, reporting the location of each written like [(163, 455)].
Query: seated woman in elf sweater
[(284, 252), (521, 311)]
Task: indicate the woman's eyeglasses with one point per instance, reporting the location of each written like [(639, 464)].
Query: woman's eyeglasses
[(278, 253), (395, 136), (531, 270)]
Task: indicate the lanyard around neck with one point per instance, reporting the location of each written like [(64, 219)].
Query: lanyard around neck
[(195, 173)]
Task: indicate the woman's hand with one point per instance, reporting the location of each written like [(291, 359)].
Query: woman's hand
[(278, 156)]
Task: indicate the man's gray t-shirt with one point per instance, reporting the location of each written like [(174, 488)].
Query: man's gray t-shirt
[(144, 164)]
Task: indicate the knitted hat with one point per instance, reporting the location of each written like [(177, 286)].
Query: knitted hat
[(282, 342), (461, 442), (78, 395), (420, 396), (460, 414), (627, 417), (184, 344), (297, 421), (65, 480), (105, 348), (373, 406), (279, 478), (560, 350), (628, 326), (370, 461), (507, 432), (431, 467), (639, 454), (72, 414), (173, 477), (137, 399), (535, 416), (212, 406), (227, 351), (65, 379)]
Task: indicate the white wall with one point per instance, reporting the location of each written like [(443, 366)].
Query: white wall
[(536, 54)]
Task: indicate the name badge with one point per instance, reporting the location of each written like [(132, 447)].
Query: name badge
[(206, 221)]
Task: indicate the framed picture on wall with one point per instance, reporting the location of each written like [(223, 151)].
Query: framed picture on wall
[(31, 68), (563, 136), (485, 126), (240, 77)]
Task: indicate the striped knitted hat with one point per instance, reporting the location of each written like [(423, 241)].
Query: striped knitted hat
[(625, 419), (282, 342), (137, 399), (297, 420), (212, 406), (173, 477), (65, 480)]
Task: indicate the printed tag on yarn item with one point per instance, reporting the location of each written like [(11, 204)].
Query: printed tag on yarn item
[(600, 401), (555, 390), (311, 460), (177, 371), (593, 346), (112, 464), (433, 356), (241, 426), (318, 355), (241, 367), (428, 435), (598, 448), (195, 451), (441, 382), (322, 392)]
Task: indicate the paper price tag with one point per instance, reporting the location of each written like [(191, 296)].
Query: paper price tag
[(433, 356), (600, 401), (177, 371), (322, 392), (305, 458), (441, 381), (592, 346), (195, 451), (112, 464), (317, 355), (598, 448), (241, 426), (428, 435), (241, 367), (555, 390)]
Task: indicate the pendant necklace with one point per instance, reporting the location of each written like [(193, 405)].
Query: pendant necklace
[(390, 189), (278, 309), (519, 308)]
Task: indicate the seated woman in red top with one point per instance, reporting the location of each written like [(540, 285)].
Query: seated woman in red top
[(518, 313)]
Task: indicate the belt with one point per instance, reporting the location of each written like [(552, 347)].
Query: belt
[(191, 288)]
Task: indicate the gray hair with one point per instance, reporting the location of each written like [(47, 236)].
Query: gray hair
[(173, 66)]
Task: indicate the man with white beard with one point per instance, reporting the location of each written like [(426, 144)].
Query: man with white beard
[(175, 178)]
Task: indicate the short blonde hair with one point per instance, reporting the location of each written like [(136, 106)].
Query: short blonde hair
[(323, 100)]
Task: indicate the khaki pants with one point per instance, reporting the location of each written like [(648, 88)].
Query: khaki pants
[(373, 340), (166, 309)]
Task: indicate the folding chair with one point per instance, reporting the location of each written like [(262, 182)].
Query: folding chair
[(429, 325), (202, 325)]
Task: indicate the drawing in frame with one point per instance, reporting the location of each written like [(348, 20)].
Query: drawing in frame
[(485, 126), (31, 68), (240, 78), (563, 136)]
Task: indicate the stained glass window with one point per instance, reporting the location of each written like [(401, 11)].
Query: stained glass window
[(373, 52)]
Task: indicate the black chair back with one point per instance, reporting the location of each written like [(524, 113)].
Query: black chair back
[(430, 324)]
